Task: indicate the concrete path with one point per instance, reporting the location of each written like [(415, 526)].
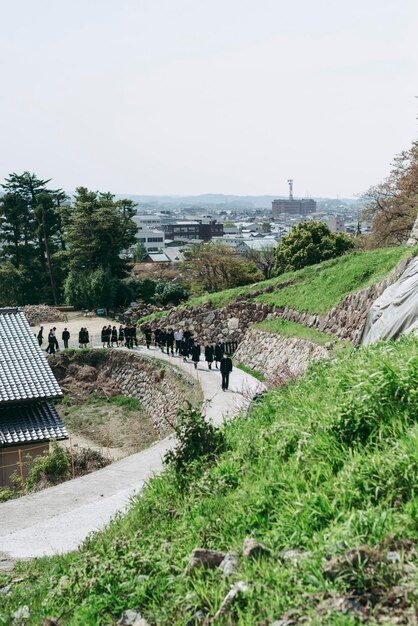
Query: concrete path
[(58, 519)]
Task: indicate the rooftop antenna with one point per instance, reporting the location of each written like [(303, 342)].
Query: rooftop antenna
[(290, 183)]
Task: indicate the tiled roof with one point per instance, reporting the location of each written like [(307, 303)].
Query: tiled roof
[(30, 422), (24, 371)]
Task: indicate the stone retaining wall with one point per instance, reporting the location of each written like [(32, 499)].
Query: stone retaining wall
[(278, 358), (230, 323), (160, 387)]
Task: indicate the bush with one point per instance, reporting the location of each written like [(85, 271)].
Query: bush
[(6, 494), (198, 441), (52, 468), (309, 243)]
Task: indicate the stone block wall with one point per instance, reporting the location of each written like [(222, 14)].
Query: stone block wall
[(230, 323), (278, 358), (160, 387)]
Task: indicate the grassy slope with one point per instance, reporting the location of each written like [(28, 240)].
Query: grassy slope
[(328, 462), (290, 329), (316, 288)]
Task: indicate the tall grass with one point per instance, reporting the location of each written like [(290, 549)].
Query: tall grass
[(327, 463)]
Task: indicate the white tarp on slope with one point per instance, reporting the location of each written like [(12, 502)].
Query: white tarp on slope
[(396, 311)]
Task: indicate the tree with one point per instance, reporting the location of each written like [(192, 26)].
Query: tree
[(139, 253), (214, 267), (309, 243), (98, 229), (392, 205), (171, 293), (31, 227), (263, 259)]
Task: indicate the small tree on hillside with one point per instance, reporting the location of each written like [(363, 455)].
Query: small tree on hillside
[(213, 267), (392, 206), (309, 243)]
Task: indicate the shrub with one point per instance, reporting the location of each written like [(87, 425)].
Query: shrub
[(53, 467), (198, 441)]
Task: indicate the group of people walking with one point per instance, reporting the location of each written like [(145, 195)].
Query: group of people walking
[(174, 342), (122, 336), (183, 344), (52, 341)]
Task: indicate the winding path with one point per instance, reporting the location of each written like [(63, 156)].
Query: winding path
[(58, 519)]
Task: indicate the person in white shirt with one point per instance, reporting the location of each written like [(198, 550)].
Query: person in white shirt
[(178, 336)]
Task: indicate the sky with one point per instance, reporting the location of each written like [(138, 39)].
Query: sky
[(208, 96)]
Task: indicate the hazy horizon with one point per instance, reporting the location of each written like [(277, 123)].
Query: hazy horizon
[(181, 97)]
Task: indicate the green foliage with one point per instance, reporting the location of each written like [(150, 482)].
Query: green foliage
[(6, 494), (51, 468), (197, 441), (139, 253), (258, 375), (171, 293), (291, 329), (214, 266), (284, 477), (90, 289), (309, 243), (132, 404)]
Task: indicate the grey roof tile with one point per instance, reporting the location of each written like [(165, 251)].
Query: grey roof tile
[(24, 371), (30, 422)]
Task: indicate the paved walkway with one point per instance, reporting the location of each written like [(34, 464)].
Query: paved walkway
[(58, 519)]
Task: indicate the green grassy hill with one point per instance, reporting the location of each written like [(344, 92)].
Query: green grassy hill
[(323, 473), (314, 289), (326, 468)]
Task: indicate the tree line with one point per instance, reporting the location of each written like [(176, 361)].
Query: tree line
[(53, 250)]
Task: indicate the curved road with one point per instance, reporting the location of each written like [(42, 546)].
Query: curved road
[(58, 519)]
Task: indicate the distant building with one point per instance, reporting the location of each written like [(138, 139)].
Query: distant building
[(335, 223), (153, 240), (202, 230), (303, 206), (147, 221)]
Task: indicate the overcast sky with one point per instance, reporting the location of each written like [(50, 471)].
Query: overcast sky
[(198, 96)]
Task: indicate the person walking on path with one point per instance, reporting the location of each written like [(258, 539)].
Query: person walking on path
[(51, 342), (40, 336), (226, 369), (184, 349), (148, 335), (156, 335), (178, 336), (134, 337), (121, 335), (86, 337), (81, 338), (114, 336), (103, 336), (195, 349), (170, 341), (54, 330), (209, 353), (219, 353), (65, 337), (162, 339)]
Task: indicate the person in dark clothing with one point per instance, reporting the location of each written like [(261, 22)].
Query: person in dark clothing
[(219, 353), (121, 335), (65, 337), (187, 335), (148, 335), (40, 336), (156, 335), (195, 349), (134, 337), (114, 336), (86, 337), (184, 349), (162, 339), (81, 338), (170, 341), (209, 354), (51, 342), (129, 336), (108, 335), (103, 336), (55, 337), (226, 369)]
